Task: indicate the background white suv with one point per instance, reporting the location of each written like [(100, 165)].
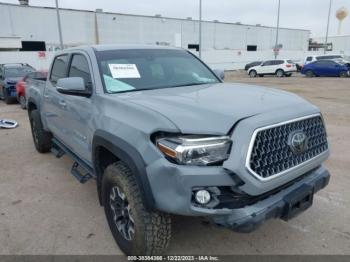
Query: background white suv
[(279, 68)]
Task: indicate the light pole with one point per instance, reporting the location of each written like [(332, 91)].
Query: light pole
[(200, 29), (59, 25), (327, 31), (277, 28)]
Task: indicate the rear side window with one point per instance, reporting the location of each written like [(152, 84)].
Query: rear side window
[(279, 62), (309, 58), (267, 63), (80, 68), (59, 68)]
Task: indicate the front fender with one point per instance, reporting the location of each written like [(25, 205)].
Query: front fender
[(125, 152)]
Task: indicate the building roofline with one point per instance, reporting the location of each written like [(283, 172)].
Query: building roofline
[(149, 16)]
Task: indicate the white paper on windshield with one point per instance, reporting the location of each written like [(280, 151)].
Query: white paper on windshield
[(119, 71)]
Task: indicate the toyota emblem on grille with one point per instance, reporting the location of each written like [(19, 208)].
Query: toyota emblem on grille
[(298, 142)]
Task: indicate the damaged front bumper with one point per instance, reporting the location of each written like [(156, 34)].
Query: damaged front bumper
[(285, 204)]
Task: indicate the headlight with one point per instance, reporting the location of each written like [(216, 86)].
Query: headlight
[(195, 150)]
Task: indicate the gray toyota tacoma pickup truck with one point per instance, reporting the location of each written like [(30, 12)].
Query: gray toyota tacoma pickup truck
[(161, 134)]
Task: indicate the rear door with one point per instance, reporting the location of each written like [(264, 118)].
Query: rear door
[(78, 111), (53, 102)]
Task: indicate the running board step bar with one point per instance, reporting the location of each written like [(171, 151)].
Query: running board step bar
[(82, 171), (75, 172), (57, 152)]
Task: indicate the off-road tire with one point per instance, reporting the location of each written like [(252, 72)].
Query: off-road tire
[(253, 73), (41, 138), (152, 229), (280, 73)]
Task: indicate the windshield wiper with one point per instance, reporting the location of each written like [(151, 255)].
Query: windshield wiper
[(193, 84), (159, 87)]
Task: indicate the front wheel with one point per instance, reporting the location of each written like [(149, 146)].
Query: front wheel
[(309, 73), (136, 230)]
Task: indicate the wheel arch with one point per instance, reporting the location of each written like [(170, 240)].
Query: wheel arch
[(31, 105), (107, 149)]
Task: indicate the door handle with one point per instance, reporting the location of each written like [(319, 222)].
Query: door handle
[(63, 103)]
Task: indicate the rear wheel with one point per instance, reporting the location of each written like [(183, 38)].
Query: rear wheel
[(280, 73), (253, 73), (309, 73), (136, 230), (344, 74), (41, 138), (22, 102)]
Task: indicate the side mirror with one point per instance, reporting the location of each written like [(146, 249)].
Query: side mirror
[(73, 86), (219, 73)]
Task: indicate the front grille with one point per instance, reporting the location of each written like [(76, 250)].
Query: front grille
[(271, 155)]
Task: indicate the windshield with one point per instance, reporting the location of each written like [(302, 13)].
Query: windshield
[(146, 69), (18, 71)]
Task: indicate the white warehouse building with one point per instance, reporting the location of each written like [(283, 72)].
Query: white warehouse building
[(31, 28)]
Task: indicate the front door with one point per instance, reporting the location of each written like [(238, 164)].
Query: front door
[(78, 113)]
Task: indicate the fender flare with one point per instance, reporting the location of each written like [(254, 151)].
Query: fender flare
[(130, 156), (32, 101)]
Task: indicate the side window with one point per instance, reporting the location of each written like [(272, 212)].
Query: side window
[(267, 63), (80, 68), (59, 68), (309, 58), (279, 62)]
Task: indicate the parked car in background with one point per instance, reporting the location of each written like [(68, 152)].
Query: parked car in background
[(279, 68), (325, 68), (10, 74), (313, 58), (255, 63), (31, 78)]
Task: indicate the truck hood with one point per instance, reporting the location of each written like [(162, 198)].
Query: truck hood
[(212, 108)]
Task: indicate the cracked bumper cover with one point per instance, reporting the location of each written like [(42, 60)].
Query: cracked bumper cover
[(251, 217)]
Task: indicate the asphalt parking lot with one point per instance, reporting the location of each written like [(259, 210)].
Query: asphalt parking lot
[(43, 210)]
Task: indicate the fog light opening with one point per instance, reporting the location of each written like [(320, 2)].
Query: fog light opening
[(202, 197)]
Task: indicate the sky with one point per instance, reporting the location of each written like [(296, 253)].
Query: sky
[(304, 14)]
